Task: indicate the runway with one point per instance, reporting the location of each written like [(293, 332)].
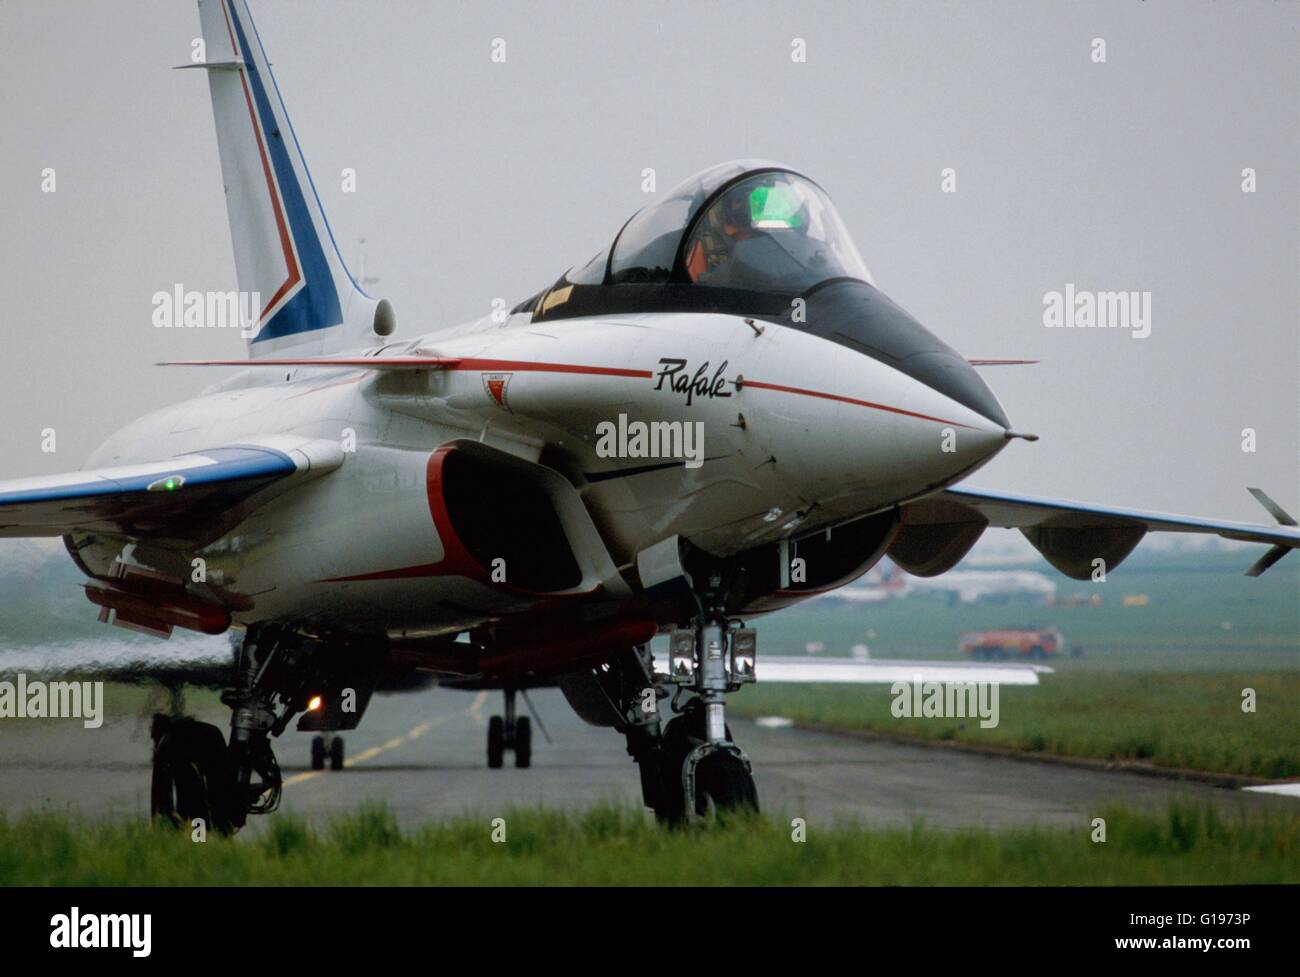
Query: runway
[(424, 755)]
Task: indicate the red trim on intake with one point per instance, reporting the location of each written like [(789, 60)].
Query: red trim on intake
[(456, 560)]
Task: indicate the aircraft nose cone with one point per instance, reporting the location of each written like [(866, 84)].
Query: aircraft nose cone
[(858, 316), (952, 376), (940, 436)]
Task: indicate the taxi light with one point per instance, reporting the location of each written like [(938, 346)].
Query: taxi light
[(681, 657), (744, 653), (313, 703)]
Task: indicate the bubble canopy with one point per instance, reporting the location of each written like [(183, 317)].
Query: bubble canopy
[(746, 226)]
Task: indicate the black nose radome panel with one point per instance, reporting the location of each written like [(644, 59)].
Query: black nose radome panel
[(859, 317)]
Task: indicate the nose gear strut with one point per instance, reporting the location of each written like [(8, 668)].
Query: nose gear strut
[(690, 767)]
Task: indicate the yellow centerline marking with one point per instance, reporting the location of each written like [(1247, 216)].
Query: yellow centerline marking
[(476, 705), (412, 734)]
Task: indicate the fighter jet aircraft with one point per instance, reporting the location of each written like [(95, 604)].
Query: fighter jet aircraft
[(715, 417)]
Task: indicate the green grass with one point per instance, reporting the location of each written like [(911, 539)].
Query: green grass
[(1192, 720), (616, 845)]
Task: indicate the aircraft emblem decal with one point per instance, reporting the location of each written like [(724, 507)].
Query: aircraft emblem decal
[(495, 384)]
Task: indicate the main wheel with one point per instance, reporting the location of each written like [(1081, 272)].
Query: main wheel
[(318, 752), (523, 742), (336, 753), (496, 742), (192, 777)]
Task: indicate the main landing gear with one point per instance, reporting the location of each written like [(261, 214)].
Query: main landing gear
[(327, 748), (690, 768), (197, 774), (509, 733)]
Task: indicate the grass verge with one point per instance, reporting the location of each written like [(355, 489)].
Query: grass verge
[(1186, 720), (615, 845)]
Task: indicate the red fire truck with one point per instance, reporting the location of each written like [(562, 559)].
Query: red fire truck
[(1013, 643)]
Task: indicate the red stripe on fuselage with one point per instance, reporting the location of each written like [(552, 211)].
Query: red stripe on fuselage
[(527, 366), (452, 365), (779, 388), (524, 366)]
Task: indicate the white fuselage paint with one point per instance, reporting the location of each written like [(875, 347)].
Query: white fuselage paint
[(817, 448)]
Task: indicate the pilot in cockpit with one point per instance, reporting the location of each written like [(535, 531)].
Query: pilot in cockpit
[(761, 234), (726, 223)]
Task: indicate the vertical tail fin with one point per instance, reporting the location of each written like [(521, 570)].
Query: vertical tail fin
[(284, 249)]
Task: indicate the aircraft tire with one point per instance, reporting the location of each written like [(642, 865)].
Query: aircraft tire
[(192, 778), (723, 786), (318, 752), (682, 735), (496, 742), (523, 742)]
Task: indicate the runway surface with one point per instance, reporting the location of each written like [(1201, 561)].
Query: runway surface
[(424, 754)]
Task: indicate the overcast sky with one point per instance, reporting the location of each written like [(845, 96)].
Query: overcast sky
[(478, 180)]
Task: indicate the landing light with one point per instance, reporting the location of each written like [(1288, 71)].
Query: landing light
[(313, 703), (681, 657), (744, 651)]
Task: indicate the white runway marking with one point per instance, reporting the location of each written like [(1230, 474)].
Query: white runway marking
[(1287, 790)]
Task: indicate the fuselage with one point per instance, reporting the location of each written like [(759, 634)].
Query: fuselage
[(787, 431)]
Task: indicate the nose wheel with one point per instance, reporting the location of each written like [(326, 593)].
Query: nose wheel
[(511, 732)]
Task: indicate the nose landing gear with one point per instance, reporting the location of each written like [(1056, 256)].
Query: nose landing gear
[(690, 768), (711, 659), (510, 733)]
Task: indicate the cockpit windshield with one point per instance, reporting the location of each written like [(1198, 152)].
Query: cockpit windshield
[(741, 237), (772, 232)]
